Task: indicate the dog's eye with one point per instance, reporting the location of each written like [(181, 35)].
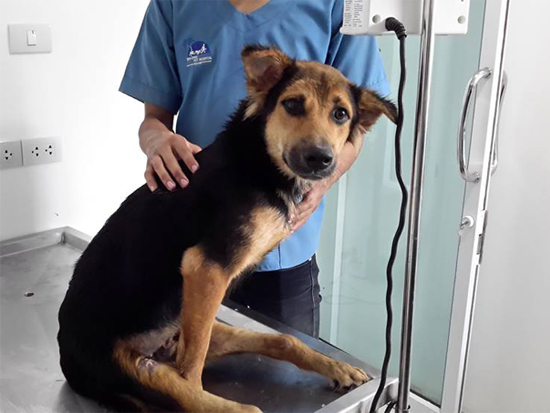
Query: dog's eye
[(340, 115), (294, 106)]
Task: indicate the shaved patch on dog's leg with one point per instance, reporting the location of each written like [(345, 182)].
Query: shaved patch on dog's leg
[(166, 380), (146, 363), (231, 340), (205, 284)]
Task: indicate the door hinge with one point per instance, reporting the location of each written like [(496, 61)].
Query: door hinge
[(481, 238)]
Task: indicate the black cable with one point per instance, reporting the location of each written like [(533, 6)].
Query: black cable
[(396, 26), (390, 406)]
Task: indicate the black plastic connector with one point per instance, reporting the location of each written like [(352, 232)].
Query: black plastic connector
[(394, 25)]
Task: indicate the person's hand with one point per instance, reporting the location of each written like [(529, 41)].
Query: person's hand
[(309, 204), (163, 153)]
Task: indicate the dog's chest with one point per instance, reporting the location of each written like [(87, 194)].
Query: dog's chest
[(267, 227)]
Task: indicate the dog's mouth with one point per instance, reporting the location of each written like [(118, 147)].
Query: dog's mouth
[(311, 163)]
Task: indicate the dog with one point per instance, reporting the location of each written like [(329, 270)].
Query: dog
[(138, 321)]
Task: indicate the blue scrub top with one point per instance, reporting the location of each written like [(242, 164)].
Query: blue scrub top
[(187, 60)]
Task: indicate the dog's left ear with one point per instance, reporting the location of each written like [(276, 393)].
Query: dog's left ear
[(264, 67), (371, 106)]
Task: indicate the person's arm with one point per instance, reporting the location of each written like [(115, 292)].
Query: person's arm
[(152, 77), (163, 148)]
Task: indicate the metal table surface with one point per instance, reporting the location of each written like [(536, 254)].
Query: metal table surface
[(34, 275)]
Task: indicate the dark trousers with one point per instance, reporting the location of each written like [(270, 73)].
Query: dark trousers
[(291, 296)]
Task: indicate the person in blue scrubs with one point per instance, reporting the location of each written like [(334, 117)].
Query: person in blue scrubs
[(187, 63)]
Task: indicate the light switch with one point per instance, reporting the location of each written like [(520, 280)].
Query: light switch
[(31, 38)]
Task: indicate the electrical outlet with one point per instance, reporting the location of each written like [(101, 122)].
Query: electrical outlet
[(41, 150), (10, 155)]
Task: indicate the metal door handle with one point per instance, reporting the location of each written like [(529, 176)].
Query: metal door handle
[(503, 88), (466, 103)]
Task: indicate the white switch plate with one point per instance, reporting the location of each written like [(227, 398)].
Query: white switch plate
[(41, 150), (18, 38)]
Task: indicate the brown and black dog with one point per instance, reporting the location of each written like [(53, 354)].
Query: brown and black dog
[(138, 320)]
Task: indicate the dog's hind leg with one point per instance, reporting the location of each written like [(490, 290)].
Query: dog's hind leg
[(231, 340), (166, 380)]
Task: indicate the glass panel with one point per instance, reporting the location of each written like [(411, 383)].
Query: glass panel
[(353, 310)]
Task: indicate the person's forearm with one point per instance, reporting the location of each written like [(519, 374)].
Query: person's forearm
[(165, 149), (150, 128)]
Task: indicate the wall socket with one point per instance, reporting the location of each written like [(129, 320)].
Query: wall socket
[(10, 155), (41, 150)]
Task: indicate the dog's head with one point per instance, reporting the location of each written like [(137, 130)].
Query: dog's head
[(311, 110)]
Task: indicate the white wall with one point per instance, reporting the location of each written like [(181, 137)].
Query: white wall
[(71, 93), (510, 353)]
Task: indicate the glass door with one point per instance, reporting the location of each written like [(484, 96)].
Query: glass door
[(362, 213)]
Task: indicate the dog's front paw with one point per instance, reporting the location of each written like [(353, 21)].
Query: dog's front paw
[(346, 377)]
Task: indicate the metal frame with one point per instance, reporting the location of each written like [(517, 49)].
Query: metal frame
[(470, 251), (338, 254), (481, 157), (421, 130)]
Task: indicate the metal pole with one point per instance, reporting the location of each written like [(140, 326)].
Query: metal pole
[(421, 129)]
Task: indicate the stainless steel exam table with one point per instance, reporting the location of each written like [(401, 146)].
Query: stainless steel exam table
[(34, 275)]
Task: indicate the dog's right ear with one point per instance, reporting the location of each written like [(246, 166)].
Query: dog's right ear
[(264, 67), (371, 106)]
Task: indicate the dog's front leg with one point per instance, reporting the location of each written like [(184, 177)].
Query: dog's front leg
[(204, 286)]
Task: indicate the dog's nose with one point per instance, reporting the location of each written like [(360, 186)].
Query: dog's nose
[(318, 157)]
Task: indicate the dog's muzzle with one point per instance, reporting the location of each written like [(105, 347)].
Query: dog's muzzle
[(311, 162)]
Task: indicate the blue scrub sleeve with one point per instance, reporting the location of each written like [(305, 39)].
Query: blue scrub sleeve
[(357, 57), (152, 72)]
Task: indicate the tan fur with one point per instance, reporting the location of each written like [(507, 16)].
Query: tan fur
[(321, 86), (205, 284), (267, 228), (231, 340), (370, 109), (322, 89), (166, 380)]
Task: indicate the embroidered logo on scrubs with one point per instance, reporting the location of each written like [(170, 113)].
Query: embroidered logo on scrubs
[(198, 53)]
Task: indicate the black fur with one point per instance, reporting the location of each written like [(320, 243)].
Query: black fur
[(128, 279)]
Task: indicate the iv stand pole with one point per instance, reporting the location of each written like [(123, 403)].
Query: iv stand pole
[(421, 129)]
